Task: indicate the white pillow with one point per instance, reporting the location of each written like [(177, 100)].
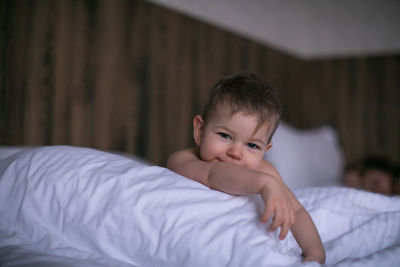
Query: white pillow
[(307, 158)]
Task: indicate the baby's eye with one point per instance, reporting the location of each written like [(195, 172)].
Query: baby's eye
[(253, 146), (224, 135)]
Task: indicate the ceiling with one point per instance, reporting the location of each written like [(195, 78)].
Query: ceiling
[(307, 29)]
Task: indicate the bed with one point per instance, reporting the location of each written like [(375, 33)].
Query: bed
[(75, 206)]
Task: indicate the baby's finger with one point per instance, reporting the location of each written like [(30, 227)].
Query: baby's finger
[(285, 226), (291, 217), (267, 214), (277, 221), (284, 231)]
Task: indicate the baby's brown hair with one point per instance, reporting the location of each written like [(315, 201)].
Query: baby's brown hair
[(249, 93)]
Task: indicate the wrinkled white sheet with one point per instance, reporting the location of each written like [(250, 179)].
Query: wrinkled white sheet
[(82, 207)]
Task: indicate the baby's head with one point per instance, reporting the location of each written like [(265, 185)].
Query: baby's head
[(377, 175), (249, 93), (372, 173), (238, 122)]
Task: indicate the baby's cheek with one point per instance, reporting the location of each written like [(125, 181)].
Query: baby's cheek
[(207, 154)]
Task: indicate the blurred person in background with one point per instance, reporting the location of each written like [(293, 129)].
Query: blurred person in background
[(373, 173)]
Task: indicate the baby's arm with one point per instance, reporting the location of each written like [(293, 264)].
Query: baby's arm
[(304, 230), (238, 180), (307, 236)]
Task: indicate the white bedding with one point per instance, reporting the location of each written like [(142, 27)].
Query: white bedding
[(68, 206)]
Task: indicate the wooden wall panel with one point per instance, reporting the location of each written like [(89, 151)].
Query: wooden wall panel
[(80, 112), (130, 75)]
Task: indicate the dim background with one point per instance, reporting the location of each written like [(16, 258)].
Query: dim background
[(130, 75)]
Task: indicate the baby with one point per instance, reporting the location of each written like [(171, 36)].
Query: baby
[(373, 173), (232, 136)]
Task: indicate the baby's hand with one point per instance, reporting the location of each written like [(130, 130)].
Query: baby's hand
[(277, 202)]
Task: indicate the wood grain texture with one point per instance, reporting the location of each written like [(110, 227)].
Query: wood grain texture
[(130, 75)]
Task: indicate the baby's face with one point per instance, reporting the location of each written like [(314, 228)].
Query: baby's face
[(234, 139), (377, 181)]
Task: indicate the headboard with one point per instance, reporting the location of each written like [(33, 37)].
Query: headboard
[(130, 75)]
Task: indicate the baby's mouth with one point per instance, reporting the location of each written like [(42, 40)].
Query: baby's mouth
[(217, 160), (226, 161)]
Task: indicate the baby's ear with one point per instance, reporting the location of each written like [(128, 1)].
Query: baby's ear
[(198, 125), (268, 147)]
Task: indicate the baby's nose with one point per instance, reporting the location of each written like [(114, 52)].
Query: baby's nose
[(235, 151)]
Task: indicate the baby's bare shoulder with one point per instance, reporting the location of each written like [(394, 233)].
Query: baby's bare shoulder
[(267, 167), (184, 153), (181, 156), (188, 163)]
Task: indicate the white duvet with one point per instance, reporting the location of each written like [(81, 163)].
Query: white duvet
[(68, 206)]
